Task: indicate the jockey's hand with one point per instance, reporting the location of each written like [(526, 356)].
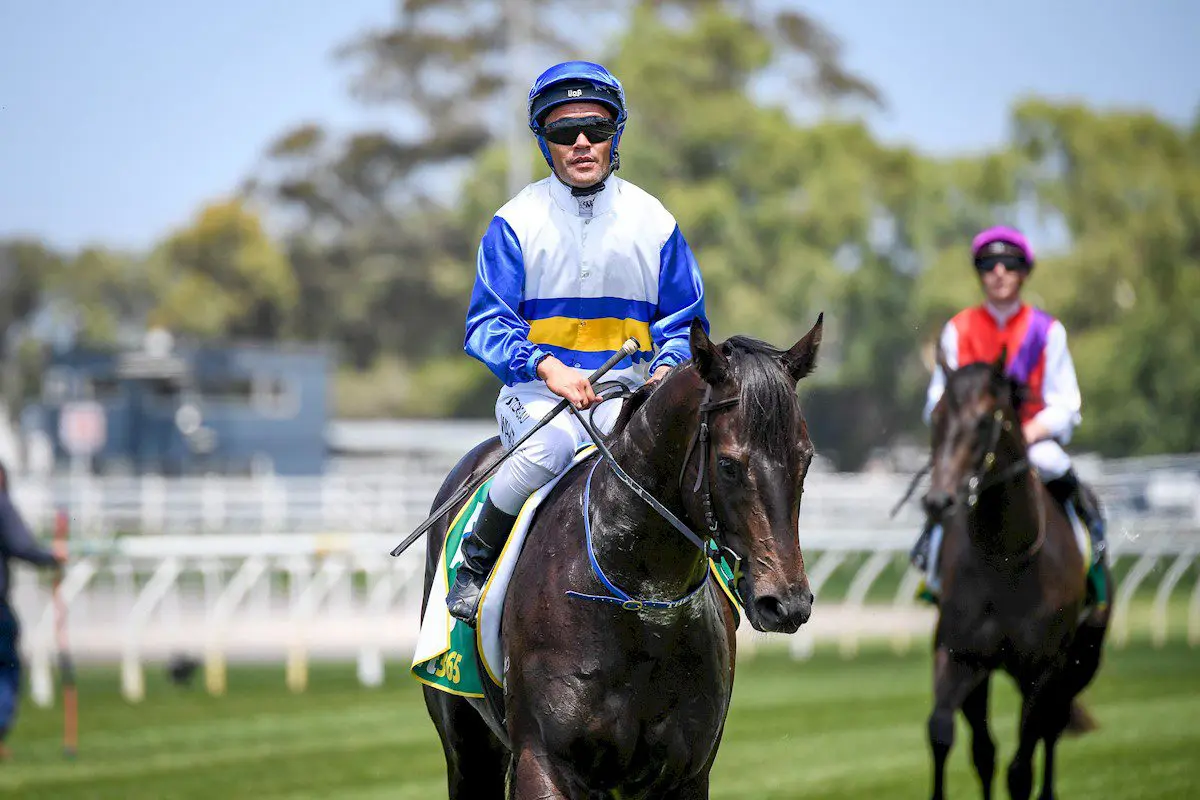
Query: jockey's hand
[(1034, 432), (567, 383), (659, 374)]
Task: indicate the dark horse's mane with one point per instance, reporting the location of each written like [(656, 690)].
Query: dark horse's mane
[(768, 394), (963, 384)]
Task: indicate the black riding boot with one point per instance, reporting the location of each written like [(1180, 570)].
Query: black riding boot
[(920, 552), (1068, 489), (479, 552)]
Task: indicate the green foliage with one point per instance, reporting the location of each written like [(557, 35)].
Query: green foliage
[(221, 277)]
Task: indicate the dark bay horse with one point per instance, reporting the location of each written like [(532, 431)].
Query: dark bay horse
[(1013, 584), (605, 701)]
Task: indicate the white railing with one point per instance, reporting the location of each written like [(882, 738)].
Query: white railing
[(282, 596), (396, 498)]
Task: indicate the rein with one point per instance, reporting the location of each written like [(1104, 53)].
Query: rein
[(708, 547)]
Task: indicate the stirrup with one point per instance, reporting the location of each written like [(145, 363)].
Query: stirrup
[(919, 555)]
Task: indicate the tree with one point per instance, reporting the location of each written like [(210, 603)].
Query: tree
[(1125, 186), (222, 276)]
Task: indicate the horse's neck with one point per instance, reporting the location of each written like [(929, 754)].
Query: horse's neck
[(1008, 517), (642, 552)]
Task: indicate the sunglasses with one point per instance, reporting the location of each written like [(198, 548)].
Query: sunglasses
[(566, 130), (1010, 263)]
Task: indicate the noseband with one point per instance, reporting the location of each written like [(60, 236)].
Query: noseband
[(981, 480)]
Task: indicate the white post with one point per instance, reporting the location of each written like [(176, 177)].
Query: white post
[(240, 584), (856, 598), (1162, 597), (297, 659), (803, 640), (133, 686)]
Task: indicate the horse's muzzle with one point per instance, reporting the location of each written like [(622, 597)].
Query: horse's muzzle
[(937, 502), (783, 613)]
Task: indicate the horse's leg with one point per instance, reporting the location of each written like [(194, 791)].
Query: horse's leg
[(1056, 718), (983, 748), (476, 761), (1038, 699), (694, 790), (535, 778), (953, 681)]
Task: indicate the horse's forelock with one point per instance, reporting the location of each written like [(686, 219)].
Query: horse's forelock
[(769, 406)]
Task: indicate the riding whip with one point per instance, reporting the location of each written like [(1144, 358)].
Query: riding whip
[(466, 490)]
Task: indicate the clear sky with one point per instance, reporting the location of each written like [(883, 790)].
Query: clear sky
[(118, 118)]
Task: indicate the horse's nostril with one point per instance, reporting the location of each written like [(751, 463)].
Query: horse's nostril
[(812, 598), (769, 607)]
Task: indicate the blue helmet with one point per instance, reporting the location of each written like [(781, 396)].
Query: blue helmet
[(576, 82)]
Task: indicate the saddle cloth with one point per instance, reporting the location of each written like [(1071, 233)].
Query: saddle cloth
[(448, 650), (931, 587)]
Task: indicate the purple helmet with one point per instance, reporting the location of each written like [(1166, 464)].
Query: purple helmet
[(1000, 241)]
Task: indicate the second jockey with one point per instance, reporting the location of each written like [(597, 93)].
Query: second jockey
[(1037, 357)]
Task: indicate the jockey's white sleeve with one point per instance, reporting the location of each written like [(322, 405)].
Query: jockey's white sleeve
[(937, 383)]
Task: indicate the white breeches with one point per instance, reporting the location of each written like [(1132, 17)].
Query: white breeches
[(1050, 459), (549, 451)]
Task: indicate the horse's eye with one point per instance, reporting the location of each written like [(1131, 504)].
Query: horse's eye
[(729, 467)]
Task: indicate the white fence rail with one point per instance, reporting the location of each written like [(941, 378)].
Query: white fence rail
[(273, 568), (396, 497), (279, 597)]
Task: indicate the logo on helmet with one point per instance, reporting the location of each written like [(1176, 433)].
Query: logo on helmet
[(574, 92)]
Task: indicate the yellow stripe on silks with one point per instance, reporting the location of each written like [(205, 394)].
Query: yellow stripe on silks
[(589, 335)]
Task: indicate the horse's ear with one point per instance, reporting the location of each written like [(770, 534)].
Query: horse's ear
[(1000, 365), (802, 358), (711, 363)]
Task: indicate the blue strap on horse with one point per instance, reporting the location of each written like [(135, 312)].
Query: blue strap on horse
[(708, 547), (619, 596)]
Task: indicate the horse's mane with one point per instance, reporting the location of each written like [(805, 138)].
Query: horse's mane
[(966, 382), (768, 393), (767, 397), (635, 401)]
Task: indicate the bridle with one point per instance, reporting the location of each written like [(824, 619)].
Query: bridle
[(711, 546), (983, 478), (979, 480), (703, 486)]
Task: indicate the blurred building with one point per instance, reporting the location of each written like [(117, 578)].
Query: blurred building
[(168, 410)]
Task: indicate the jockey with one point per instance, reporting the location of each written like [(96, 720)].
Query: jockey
[(1037, 357), (569, 269)]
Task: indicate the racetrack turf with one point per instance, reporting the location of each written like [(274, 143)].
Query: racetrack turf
[(825, 728)]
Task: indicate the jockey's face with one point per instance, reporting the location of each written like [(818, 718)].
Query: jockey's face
[(580, 164), (1001, 284)]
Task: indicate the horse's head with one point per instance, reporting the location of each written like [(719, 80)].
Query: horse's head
[(975, 432), (753, 467)]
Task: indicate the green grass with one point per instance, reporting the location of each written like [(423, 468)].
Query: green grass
[(825, 728)]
